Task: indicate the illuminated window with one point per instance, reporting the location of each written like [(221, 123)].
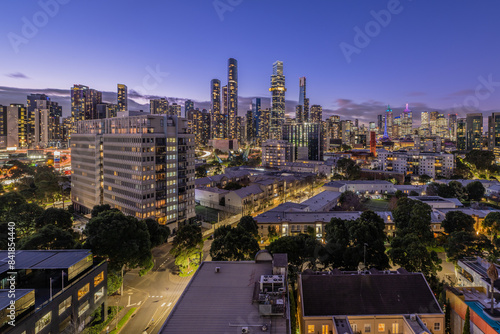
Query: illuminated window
[(83, 291), (437, 326), (324, 329), (64, 305), (310, 328), (98, 294), (84, 307), (381, 328), (368, 328), (43, 322), (99, 278)]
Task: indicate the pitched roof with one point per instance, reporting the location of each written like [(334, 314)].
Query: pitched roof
[(367, 294)]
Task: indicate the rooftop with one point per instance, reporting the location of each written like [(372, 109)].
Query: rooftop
[(375, 293), (316, 203), (44, 259), (221, 301)]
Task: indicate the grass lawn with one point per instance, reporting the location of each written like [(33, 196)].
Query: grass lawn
[(376, 205), (208, 213)]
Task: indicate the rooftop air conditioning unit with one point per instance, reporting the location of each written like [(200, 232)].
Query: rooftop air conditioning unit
[(244, 330), (413, 317)]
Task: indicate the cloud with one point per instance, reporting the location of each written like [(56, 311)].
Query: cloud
[(17, 75), (460, 93)]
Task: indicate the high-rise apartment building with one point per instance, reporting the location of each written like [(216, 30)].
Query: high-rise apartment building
[(380, 124), (107, 110), (17, 126), (406, 122), (141, 165), (232, 87), (175, 110), (224, 112), (217, 126), (122, 97), (425, 123), (31, 105), (250, 128), (474, 131), (306, 138), (277, 90), (494, 133), (452, 126), (264, 125), (302, 109), (316, 115), (47, 129), (84, 101), (275, 153), (433, 122), (158, 106), (188, 105), (200, 127), (461, 134)]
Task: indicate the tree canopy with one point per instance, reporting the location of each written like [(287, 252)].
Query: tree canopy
[(187, 247), (235, 245), (158, 234), (248, 224), (457, 221), (53, 216), (49, 237), (349, 169), (475, 190), (349, 201)]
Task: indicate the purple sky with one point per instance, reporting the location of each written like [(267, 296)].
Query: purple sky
[(434, 56)]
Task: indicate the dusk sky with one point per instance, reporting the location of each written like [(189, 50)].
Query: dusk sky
[(432, 55)]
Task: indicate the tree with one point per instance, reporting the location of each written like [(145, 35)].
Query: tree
[(413, 216), (462, 244), (187, 248), (200, 171), (457, 191), (398, 194), (457, 221), (235, 245), (424, 179), (414, 193), (475, 190), (491, 224), (467, 322), (96, 210), (349, 201), (57, 217), (49, 237), (348, 240), (233, 186), (248, 224), (482, 161), (462, 171), (302, 250), (24, 216), (272, 233), (349, 169), (158, 234), (123, 240)]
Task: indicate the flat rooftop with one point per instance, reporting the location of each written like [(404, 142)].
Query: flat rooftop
[(221, 302), (43, 259), (5, 300), (316, 203)]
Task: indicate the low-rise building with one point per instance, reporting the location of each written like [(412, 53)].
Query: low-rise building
[(56, 291), (417, 163), (324, 201), (361, 186), (368, 302), (437, 202), (276, 153), (234, 297)]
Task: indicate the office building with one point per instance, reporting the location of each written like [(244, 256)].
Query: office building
[(141, 165), (158, 106), (277, 116), (217, 125), (47, 127), (380, 124), (474, 135), (17, 126), (494, 133), (396, 127), (56, 291), (276, 153), (461, 134), (84, 101), (369, 301), (31, 105), (122, 98), (316, 115), (406, 122), (452, 127), (306, 138), (389, 120), (425, 125), (232, 96), (234, 297)]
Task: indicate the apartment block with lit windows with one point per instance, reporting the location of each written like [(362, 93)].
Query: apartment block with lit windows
[(276, 153), (141, 165)]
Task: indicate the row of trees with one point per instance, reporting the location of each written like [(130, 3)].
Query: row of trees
[(474, 191)]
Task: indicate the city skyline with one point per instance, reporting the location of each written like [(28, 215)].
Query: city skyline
[(420, 68)]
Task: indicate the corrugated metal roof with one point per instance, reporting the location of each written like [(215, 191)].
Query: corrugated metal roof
[(43, 259)]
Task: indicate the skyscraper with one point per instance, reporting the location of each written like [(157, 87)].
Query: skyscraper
[(217, 126), (47, 130), (175, 110), (380, 124), (461, 134), (316, 115), (141, 165), (277, 117), (122, 97), (188, 105), (17, 125), (306, 138), (31, 105), (3, 127), (389, 119), (299, 113), (452, 126), (494, 133), (232, 82), (425, 123), (302, 109), (84, 101), (158, 106), (474, 131), (406, 122)]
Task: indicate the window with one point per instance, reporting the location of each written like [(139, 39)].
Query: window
[(310, 328), (98, 294), (84, 307), (83, 291), (368, 328), (354, 328), (437, 326), (99, 278), (381, 328), (395, 328), (64, 305), (43, 322), (324, 329)]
